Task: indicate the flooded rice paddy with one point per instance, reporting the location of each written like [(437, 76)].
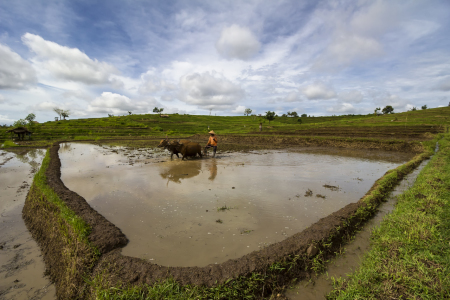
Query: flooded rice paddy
[(206, 211), (21, 264)]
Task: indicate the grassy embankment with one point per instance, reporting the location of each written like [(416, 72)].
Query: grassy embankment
[(410, 254), (152, 126), (63, 229)]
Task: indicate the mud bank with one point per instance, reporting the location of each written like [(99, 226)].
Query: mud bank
[(98, 256)]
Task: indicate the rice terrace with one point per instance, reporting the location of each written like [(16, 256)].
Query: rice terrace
[(337, 207), (224, 150)]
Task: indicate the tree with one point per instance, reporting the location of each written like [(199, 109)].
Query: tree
[(299, 121), (59, 111), (30, 118), (293, 114), (414, 108), (129, 112), (158, 110), (304, 115), (376, 111), (20, 123), (424, 107), (387, 110), (270, 115), (65, 113), (248, 111)]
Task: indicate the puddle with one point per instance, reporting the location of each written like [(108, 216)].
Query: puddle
[(21, 265), (170, 210), (319, 287)]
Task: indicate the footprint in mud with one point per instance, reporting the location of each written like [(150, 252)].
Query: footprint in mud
[(308, 193)]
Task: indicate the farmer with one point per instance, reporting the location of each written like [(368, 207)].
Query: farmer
[(212, 142)]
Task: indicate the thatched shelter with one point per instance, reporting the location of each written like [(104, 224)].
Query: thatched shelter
[(20, 131)]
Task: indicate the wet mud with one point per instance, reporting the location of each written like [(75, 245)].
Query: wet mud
[(22, 267), (317, 287), (206, 211)]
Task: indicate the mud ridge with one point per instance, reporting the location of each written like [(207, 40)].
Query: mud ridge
[(120, 270)]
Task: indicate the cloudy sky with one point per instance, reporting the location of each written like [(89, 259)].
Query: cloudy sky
[(315, 57)]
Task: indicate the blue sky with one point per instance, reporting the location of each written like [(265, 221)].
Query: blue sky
[(316, 57)]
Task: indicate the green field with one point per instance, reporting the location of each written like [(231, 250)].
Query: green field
[(151, 125)]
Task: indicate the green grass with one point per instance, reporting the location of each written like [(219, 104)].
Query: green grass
[(76, 223), (9, 144), (148, 125), (410, 253), (65, 232)]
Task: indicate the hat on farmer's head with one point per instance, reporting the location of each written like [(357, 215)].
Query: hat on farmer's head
[(212, 132)]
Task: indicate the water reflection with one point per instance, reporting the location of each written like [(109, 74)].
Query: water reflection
[(264, 192), (180, 170), (65, 147), (31, 157), (213, 170)]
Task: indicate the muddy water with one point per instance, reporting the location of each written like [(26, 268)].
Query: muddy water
[(318, 287), (171, 209), (21, 264)]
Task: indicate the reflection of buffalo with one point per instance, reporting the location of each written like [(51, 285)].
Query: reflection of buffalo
[(184, 147), (186, 170)]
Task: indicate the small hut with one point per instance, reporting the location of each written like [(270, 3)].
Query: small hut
[(20, 131)]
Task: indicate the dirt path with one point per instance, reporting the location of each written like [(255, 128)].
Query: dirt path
[(21, 264)]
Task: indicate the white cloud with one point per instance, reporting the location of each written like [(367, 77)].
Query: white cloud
[(444, 85), (119, 104), (151, 82), (5, 119), (351, 96), (293, 97), (346, 49), (237, 42), (318, 91), (342, 108), (209, 89), (239, 109), (394, 100), (67, 63), (76, 94), (2, 99), (45, 106), (15, 72)]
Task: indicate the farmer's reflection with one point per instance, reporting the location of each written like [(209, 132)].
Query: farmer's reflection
[(213, 170), (182, 170)]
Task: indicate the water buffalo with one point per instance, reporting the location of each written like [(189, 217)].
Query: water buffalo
[(189, 149), (173, 146)]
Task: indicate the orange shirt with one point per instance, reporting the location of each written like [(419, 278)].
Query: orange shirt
[(212, 141)]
